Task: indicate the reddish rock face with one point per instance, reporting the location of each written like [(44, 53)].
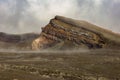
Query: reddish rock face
[(62, 30)]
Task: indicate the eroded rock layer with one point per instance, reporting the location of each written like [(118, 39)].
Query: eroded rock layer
[(67, 33)]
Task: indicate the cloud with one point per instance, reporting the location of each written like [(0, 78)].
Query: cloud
[(21, 16)]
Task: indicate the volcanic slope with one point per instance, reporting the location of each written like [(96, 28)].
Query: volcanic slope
[(17, 41), (66, 33)]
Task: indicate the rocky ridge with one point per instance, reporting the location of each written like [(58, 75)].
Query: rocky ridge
[(14, 41), (66, 33), (63, 34)]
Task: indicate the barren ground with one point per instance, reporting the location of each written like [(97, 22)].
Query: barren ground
[(83, 65)]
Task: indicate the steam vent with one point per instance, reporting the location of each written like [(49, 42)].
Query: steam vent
[(65, 33)]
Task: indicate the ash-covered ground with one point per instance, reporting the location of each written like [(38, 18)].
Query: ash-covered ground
[(60, 65)]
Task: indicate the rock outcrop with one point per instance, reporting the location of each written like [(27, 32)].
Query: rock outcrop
[(66, 33), (63, 33), (12, 41)]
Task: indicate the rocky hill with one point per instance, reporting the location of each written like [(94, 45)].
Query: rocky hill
[(14, 41), (65, 33)]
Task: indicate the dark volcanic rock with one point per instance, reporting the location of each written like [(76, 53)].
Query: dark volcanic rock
[(66, 33), (12, 41)]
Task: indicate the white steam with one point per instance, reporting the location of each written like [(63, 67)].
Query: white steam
[(21, 16)]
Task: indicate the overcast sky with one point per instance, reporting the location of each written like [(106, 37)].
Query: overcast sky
[(21, 16)]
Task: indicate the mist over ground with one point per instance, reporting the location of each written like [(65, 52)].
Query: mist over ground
[(22, 16)]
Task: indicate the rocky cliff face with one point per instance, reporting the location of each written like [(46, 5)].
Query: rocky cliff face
[(66, 33), (63, 33), (11, 41)]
